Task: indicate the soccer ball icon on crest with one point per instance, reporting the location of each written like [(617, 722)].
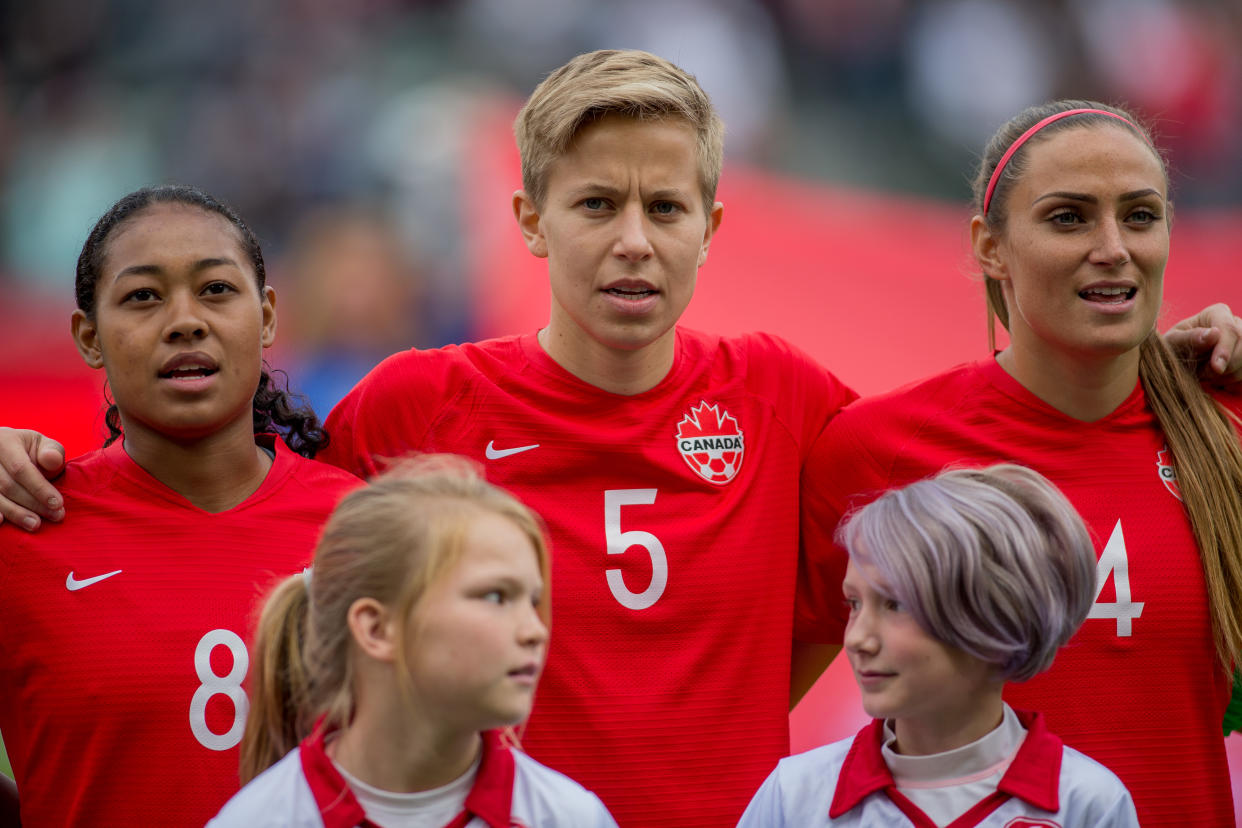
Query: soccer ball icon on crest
[(711, 443)]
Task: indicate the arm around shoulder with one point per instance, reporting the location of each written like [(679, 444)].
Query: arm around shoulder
[(28, 460), (1212, 338)]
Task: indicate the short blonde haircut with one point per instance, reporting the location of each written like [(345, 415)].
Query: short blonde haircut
[(994, 562), (630, 83), (388, 540)]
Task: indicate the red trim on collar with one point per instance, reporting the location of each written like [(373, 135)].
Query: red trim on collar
[(490, 799), (863, 772), (975, 815), (1033, 776), (913, 812), (337, 804)]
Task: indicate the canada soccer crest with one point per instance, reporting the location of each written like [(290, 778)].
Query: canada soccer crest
[(1168, 474), (711, 443)]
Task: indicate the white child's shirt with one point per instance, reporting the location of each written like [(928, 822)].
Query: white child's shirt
[(948, 784), (848, 783), (511, 790), (425, 809)]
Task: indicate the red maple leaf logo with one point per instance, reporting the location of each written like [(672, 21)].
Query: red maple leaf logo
[(1168, 472), (711, 443)]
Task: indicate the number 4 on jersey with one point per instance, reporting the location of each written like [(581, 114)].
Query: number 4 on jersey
[(1113, 561)]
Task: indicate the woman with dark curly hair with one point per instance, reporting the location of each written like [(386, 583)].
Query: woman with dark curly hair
[(123, 652)]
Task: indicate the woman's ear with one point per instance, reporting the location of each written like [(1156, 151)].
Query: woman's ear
[(528, 218), (986, 245), (370, 625), (713, 224), (86, 337), (268, 335)]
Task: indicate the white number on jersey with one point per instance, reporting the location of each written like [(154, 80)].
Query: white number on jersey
[(1113, 560), (619, 542), (212, 684)]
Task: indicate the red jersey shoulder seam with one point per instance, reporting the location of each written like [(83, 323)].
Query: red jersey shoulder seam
[(795, 362)]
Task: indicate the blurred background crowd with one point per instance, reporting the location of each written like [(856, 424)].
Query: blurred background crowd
[(344, 131)]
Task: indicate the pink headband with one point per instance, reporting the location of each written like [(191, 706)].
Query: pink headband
[(1024, 137)]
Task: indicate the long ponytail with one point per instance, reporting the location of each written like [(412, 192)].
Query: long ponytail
[(1208, 462), (280, 684)]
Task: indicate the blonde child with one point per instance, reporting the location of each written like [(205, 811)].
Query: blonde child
[(955, 585), (416, 642)]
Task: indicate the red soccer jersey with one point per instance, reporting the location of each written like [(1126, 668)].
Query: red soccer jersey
[(124, 628), (673, 517), (1139, 687)]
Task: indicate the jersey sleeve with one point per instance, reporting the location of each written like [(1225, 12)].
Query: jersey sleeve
[(842, 471), (387, 414), (810, 400), (809, 395)]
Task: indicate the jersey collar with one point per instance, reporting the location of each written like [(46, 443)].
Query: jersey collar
[(1033, 776), (490, 799)]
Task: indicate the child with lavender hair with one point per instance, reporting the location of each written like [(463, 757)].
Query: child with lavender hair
[(955, 585)]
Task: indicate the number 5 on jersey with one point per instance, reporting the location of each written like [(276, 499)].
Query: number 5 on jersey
[(620, 541), (1113, 561)]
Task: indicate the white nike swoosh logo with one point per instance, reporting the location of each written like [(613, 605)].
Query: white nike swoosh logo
[(73, 585), (494, 453)]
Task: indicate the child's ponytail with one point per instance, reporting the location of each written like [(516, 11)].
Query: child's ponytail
[(280, 684)]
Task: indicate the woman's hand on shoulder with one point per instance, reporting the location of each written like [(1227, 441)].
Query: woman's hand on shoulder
[(1213, 338), (28, 460)]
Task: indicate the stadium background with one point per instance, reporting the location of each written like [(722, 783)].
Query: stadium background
[(369, 145)]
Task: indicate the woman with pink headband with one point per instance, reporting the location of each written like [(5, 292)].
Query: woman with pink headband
[(1072, 236)]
